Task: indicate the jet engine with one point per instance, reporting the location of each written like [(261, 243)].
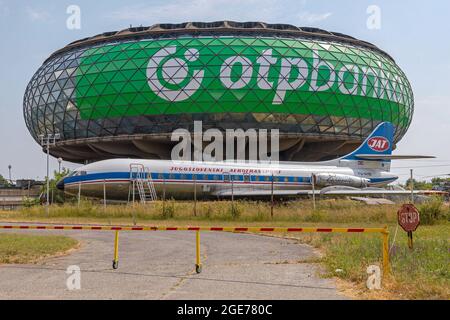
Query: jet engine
[(335, 179)]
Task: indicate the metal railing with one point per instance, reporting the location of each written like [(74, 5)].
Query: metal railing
[(141, 179)]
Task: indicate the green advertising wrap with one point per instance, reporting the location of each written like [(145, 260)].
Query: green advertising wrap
[(240, 74)]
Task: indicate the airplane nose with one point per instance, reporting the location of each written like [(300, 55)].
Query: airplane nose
[(60, 185)]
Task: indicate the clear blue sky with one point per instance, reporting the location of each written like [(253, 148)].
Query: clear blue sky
[(415, 33)]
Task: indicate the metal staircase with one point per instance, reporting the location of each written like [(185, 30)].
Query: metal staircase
[(142, 182)]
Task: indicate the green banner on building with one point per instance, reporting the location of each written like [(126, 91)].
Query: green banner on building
[(235, 75)]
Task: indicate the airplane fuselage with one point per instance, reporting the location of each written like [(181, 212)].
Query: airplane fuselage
[(116, 178)]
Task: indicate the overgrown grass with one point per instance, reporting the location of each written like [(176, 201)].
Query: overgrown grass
[(331, 211), (21, 248)]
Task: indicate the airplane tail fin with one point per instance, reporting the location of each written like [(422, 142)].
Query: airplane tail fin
[(378, 144)]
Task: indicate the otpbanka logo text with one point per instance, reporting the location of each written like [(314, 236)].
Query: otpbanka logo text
[(294, 73)]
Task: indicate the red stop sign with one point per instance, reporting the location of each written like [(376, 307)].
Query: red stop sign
[(408, 217)]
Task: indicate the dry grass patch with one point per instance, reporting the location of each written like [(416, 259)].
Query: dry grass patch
[(26, 248)]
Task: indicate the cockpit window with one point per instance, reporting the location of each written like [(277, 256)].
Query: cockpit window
[(77, 173), (71, 174)]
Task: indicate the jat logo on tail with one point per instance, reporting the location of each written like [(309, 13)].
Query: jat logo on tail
[(378, 144)]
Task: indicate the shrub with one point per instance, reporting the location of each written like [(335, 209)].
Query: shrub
[(432, 211), (30, 202)]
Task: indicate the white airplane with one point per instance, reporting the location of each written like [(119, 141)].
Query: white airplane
[(354, 174)]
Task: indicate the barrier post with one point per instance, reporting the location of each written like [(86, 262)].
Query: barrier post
[(385, 234), (198, 264), (115, 264)]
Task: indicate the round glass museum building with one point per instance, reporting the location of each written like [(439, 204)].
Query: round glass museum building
[(123, 93)]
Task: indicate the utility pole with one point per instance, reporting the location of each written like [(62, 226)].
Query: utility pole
[(47, 141)]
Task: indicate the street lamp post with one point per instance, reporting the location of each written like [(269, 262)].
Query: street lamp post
[(47, 141), (59, 164)]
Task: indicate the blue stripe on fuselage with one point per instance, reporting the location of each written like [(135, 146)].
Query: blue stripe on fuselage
[(186, 176), (97, 176)]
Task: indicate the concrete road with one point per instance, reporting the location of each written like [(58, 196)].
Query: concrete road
[(160, 265)]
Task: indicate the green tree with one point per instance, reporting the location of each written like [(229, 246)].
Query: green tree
[(56, 195), (436, 181), (4, 182), (419, 185)]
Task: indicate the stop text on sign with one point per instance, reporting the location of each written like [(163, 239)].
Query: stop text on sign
[(408, 217)]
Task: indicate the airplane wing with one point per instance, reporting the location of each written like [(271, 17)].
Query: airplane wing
[(339, 192), (391, 156), (260, 193), (333, 191)]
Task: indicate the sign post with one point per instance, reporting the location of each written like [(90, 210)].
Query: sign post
[(408, 219)]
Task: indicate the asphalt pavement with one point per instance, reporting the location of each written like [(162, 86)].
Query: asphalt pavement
[(161, 265)]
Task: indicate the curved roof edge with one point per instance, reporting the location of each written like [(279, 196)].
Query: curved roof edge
[(218, 27)]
